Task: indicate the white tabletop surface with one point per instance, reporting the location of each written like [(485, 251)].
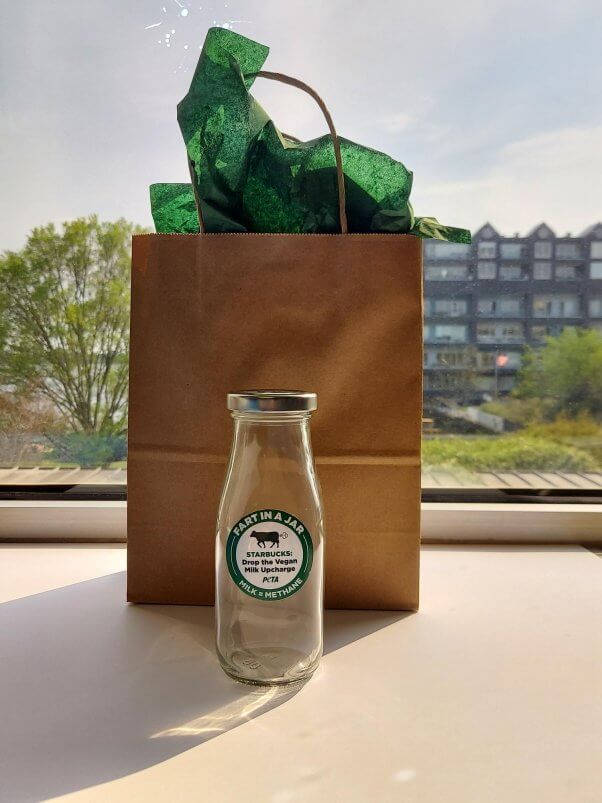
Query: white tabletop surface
[(491, 693)]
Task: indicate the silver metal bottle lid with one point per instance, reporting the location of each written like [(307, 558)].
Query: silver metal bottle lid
[(272, 401)]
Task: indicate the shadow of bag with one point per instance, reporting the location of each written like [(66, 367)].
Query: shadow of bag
[(338, 314)]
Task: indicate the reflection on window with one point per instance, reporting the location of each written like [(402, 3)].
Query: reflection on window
[(542, 270), (446, 272), (595, 269), (506, 360), (555, 306), (595, 250)]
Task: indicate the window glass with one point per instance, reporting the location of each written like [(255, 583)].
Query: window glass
[(542, 270), (511, 272), (500, 332), (543, 250), (487, 250), (440, 250), (595, 307), (448, 273), (511, 250), (568, 272), (486, 270), (568, 251), (446, 333), (88, 104), (449, 307), (555, 306), (500, 306)]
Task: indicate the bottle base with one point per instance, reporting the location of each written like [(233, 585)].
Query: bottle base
[(267, 666)]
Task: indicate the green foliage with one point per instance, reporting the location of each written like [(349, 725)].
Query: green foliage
[(505, 453), (521, 412), (89, 450), (567, 372), (64, 312)]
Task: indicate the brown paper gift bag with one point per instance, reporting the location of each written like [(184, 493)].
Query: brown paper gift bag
[(337, 314)]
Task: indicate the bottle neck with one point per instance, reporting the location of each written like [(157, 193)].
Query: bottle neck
[(279, 436)]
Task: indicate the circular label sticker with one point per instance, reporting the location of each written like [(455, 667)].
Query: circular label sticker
[(269, 554)]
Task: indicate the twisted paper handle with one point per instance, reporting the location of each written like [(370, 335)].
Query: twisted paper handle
[(286, 79)]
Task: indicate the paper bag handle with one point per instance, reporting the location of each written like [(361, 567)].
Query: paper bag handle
[(286, 79)]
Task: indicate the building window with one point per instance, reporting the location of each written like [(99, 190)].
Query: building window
[(451, 359), (567, 251), (449, 307), (487, 250), (434, 273), (486, 270), (505, 360), (542, 270), (595, 307), (510, 273), (567, 272), (504, 306), (542, 250), (500, 333), (595, 250), (442, 333), (556, 306), (511, 250), (434, 250), (595, 269)]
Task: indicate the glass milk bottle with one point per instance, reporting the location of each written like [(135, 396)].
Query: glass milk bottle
[(270, 551)]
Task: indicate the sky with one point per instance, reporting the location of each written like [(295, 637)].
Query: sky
[(493, 104)]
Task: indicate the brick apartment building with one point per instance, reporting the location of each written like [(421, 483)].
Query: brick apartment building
[(486, 302)]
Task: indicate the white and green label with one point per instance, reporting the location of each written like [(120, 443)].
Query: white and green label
[(269, 554)]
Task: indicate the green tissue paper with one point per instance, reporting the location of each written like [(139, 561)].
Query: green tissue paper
[(249, 177)]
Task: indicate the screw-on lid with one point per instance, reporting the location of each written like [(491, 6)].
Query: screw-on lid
[(272, 401)]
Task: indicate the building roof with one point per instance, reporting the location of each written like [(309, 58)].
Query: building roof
[(595, 228), (541, 230)]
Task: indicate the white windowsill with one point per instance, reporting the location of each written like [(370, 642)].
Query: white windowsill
[(442, 522)]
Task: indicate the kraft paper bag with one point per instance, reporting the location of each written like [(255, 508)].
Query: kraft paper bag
[(337, 314)]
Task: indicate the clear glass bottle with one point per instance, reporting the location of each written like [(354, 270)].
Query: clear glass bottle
[(269, 551)]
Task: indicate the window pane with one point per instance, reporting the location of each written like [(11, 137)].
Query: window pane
[(542, 250), (595, 307), (89, 121), (433, 273), (542, 270), (555, 306), (486, 270), (511, 272), (439, 250), (511, 250), (568, 272), (487, 250), (568, 250)]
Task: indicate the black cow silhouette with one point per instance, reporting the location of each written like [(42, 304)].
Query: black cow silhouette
[(273, 537)]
